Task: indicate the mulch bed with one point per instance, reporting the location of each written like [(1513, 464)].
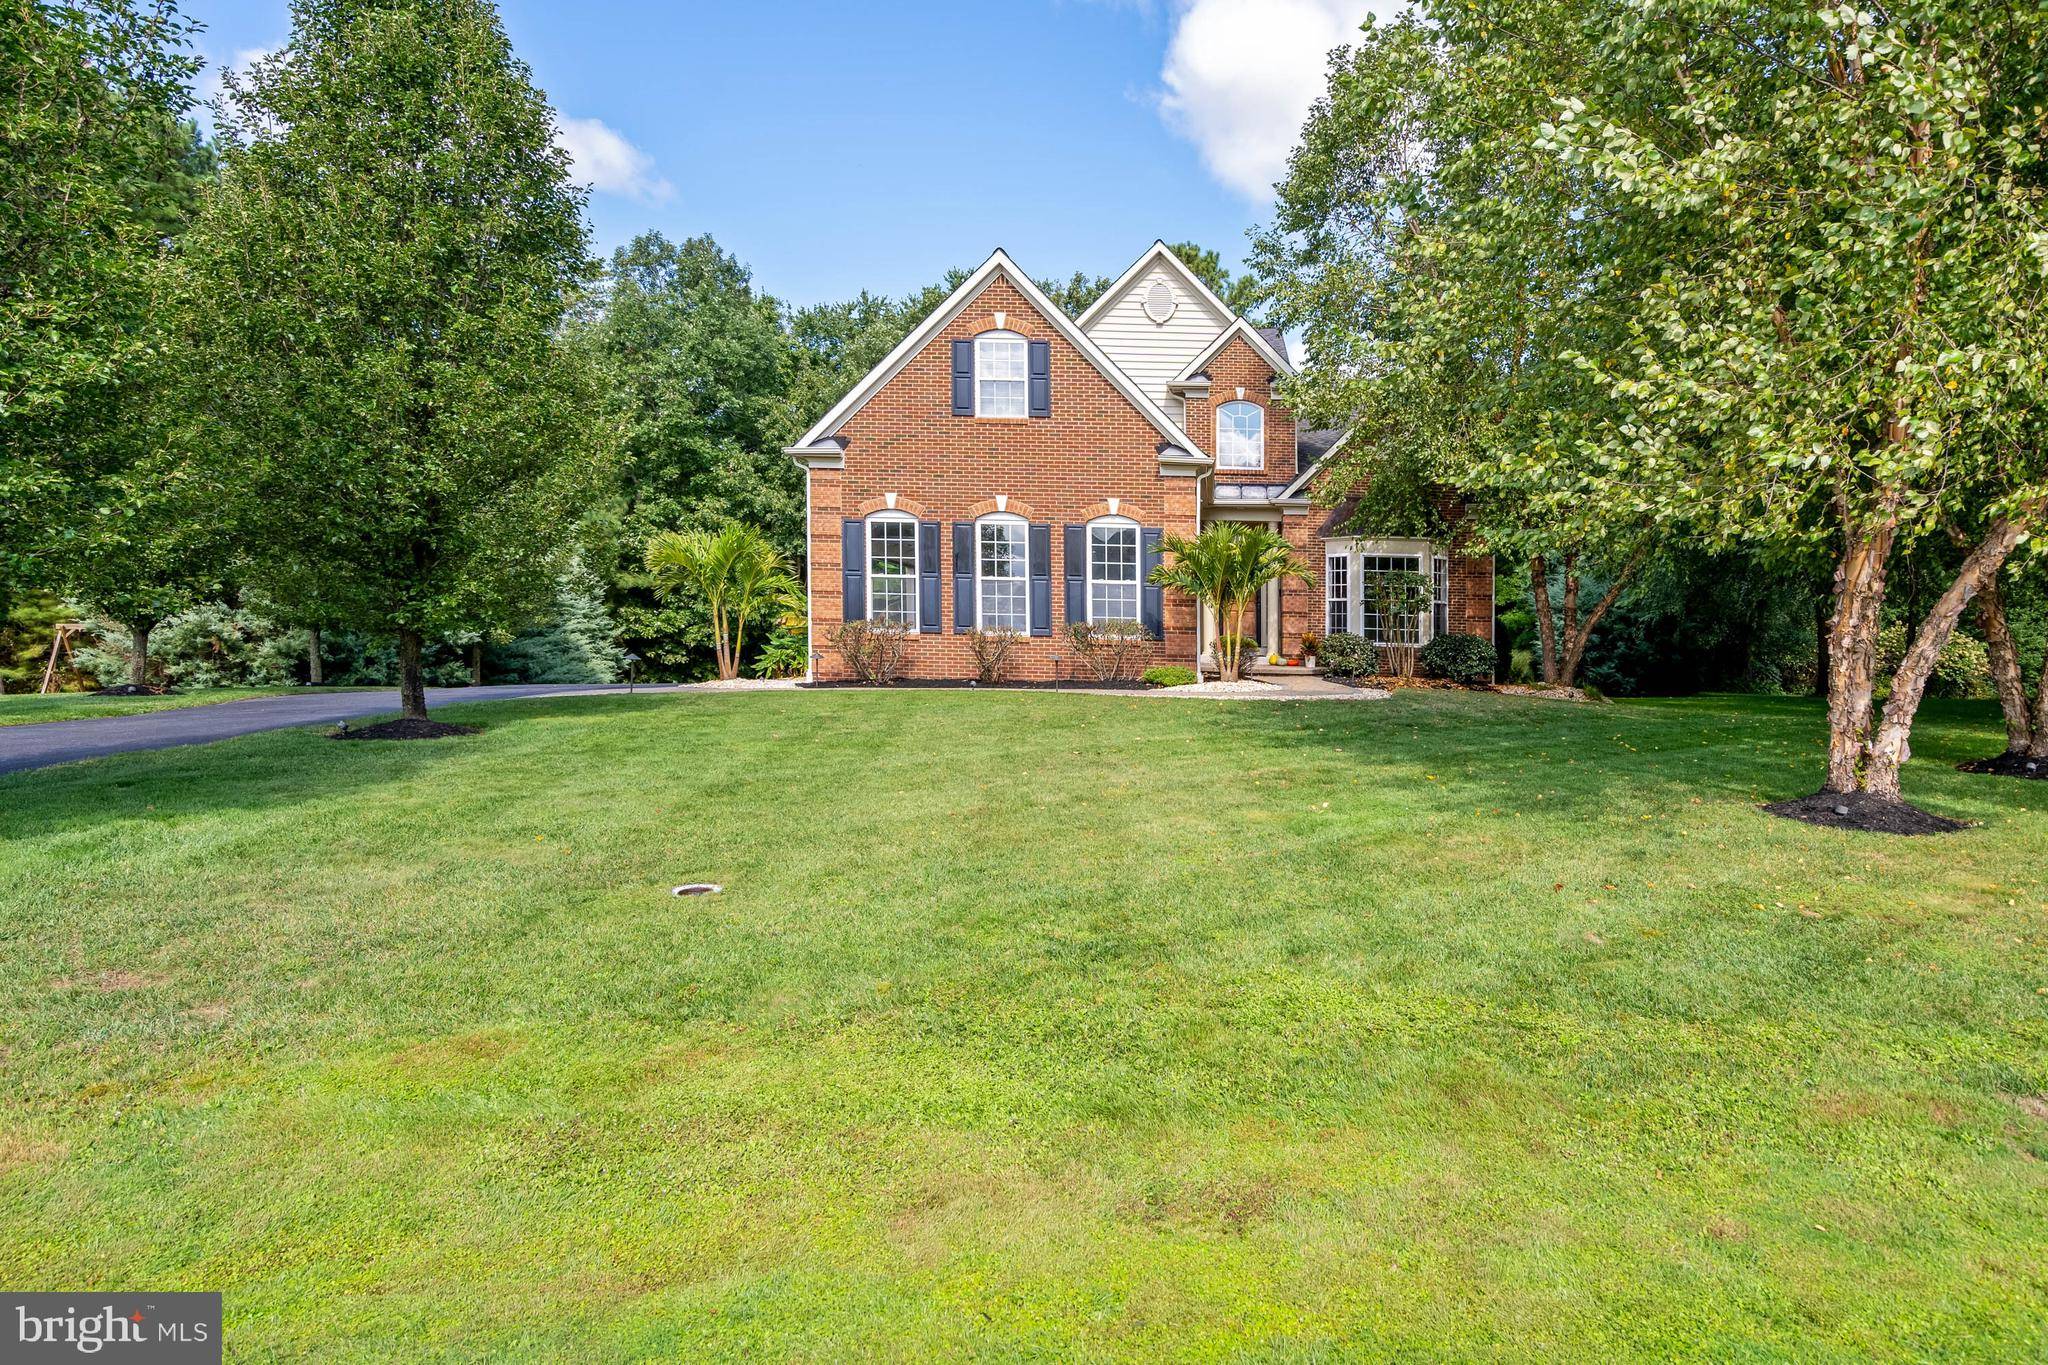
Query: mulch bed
[(408, 729), (1069, 685), (2007, 765), (131, 690), (1862, 811)]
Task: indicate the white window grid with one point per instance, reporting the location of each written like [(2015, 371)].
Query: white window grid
[(1112, 572), (892, 570), (1240, 436), (1001, 565), (1002, 371)]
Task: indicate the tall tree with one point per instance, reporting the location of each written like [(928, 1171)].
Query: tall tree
[(1854, 355), (372, 303), (1448, 270), (91, 95)]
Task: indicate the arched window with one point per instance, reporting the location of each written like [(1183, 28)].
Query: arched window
[(1240, 436), (892, 569), (1001, 375), (1000, 568), (1112, 569)]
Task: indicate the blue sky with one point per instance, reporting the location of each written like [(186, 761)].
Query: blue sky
[(835, 147)]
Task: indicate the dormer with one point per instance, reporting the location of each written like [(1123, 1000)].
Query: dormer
[(1154, 320)]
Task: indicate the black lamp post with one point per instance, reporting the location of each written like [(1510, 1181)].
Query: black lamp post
[(632, 669)]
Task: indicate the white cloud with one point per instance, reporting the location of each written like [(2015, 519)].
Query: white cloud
[(605, 161), (1240, 76), (213, 85)]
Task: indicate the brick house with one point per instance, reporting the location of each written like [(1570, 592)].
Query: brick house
[(1007, 465)]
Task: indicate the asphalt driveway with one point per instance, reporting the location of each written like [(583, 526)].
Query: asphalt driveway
[(66, 741)]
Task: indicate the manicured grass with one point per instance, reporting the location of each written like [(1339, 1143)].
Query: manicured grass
[(28, 708), (1034, 1026)]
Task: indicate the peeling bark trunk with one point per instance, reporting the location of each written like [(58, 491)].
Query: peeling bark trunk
[(2004, 656), (138, 654), (412, 681), (1888, 750), (2039, 748), (1852, 652), (315, 676), (1546, 628)]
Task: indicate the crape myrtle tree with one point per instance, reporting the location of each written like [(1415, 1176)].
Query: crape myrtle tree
[(372, 304), (1446, 268), (91, 97), (1852, 355)]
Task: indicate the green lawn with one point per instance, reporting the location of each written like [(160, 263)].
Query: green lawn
[(1034, 1026), (27, 708)]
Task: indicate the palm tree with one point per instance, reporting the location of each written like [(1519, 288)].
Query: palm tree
[(737, 572), (1224, 568)]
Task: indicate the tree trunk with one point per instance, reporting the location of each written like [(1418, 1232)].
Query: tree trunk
[(739, 640), (1546, 627), (412, 679), (314, 676), (476, 664), (1852, 651), (138, 654), (2006, 677), (1580, 633), (2039, 748), (1888, 751)]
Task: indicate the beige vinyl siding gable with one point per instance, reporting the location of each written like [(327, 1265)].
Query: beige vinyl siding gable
[(1150, 353)]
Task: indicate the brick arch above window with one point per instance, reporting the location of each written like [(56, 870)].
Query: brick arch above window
[(989, 507), (909, 507), (1118, 508)]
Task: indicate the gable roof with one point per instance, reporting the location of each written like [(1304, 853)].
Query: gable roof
[(999, 263), (1252, 335), (1319, 446), (1162, 254)]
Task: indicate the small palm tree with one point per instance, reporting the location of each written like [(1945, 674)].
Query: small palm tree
[(737, 572), (1224, 568)]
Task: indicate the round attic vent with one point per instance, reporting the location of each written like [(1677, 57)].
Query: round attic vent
[(1159, 302)]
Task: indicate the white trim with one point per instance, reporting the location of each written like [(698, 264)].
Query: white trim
[(943, 316), (1397, 547), (1238, 327), (867, 548), (1301, 479), (1259, 452), (1137, 579), (1000, 333), (1023, 578), (1160, 252)]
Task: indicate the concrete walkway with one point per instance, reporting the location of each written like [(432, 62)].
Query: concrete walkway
[(39, 745)]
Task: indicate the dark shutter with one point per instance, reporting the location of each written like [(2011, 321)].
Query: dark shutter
[(963, 379), (1039, 546), (1077, 574), (928, 575), (963, 575), (1150, 604), (1041, 379), (853, 566)]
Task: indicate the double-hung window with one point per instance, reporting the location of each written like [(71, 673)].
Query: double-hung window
[(1337, 594), (892, 570), (1240, 436), (1000, 567), (1381, 629), (1112, 571), (1001, 375), (1440, 596)]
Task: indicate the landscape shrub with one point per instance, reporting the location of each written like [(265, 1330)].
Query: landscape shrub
[(1345, 656), (1113, 650), (783, 655), (1169, 675), (874, 650), (1458, 658), (1963, 671), (992, 650)]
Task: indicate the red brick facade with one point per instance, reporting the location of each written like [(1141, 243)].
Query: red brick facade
[(1096, 454), (1056, 471)]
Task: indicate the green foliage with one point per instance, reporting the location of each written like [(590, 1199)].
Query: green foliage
[(1243, 293), (577, 643), (210, 644), (1224, 568), (1346, 657), (785, 653), (25, 634), (738, 575), (1458, 658), (1169, 675), (1962, 670), (371, 303), (91, 180)]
